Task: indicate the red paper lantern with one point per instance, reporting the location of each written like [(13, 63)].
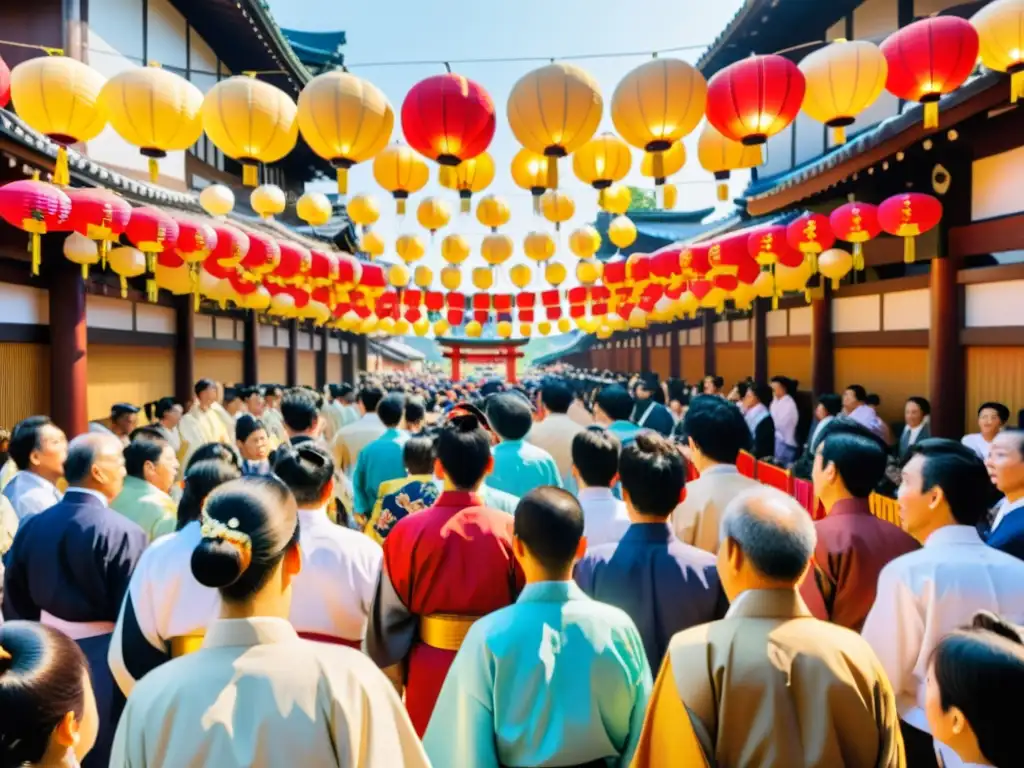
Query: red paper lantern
[(433, 301), (324, 267), (152, 231), (231, 246), (294, 264), (350, 270), (730, 263), (929, 58), (525, 303), (412, 297), (35, 207), (665, 264), (755, 98), (770, 246), (99, 215), (638, 267), (614, 273), (5, 84), (241, 286), (599, 296), (455, 300), (907, 215), (210, 265), (856, 223), (448, 118), (694, 262), (260, 258), (374, 280), (196, 240), (810, 234)]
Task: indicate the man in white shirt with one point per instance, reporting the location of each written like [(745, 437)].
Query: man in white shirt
[(856, 407), (202, 425), (595, 467), (38, 448), (351, 439), (1005, 466), (555, 432), (928, 593)]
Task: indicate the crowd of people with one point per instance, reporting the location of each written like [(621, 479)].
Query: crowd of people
[(570, 571)]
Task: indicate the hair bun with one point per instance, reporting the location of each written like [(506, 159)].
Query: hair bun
[(217, 563)]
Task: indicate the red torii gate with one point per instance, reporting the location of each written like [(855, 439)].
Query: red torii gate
[(486, 351)]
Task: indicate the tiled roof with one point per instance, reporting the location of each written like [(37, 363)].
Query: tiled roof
[(316, 49), (580, 343)]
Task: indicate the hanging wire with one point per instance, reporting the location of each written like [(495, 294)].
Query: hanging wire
[(48, 50)]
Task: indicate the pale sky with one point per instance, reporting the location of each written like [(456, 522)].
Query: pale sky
[(408, 30)]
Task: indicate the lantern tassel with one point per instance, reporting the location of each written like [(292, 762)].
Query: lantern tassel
[(835, 283), (61, 171), (400, 206), (104, 250), (154, 170), (858, 257), (446, 176), (36, 247), (839, 135), (465, 205), (1016, 86), (812, 259), (669, 194), (342, 176), (151, 290), (931, 115), (250, 174), (658, 164), (723, 191), (85, 272), (909, 250), (151, 263), (124, 286), (601, 198), (536, 205), (552, 172)]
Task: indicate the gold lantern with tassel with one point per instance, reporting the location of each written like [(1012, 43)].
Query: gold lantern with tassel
[(530, 172), (468, 178), (520, 275), (1000, 27), (483, 278), (617, 199), (401, 171), (503, 329), (843, 79), (835, 264), (433, 213), (720, 156), (493, 212), (584, 241), (474, 329), (601, 162), (314, 208), (268, 200), (409, 248), (79, 249), (441, 327), (455, 249), (555, 273), (451, 277), (372, 245), (622, 232), (496, 249), (127, 263), (557, 207), (217, 200), (539, 246), (423, 277), (672, 161), (363, 210), (421, 327)]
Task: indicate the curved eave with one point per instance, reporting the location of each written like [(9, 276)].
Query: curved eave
[(465, 341)]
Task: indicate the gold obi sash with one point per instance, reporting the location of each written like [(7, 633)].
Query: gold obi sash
[(445, 631), (183, 645)]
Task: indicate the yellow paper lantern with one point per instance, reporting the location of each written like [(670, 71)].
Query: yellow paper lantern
[(835, 264), (496, 249), (617, 199), (483, 278), (350, 321), (530, 172), (687, 304), (492, 211), (155, 110), (588, 272), (743, 295), (525, 330), (386, 325), (217, 200), (368, 325), (402, 327), (258, 300), (468, 178), (588, 324), (451, 277), (622, 232), (539, 246), (1000, 27), (792, 278), (363, 210), (474, 329), (585, 241), (616, 322), (544, 327), (79, 249), (176, 280), (372, 244), (557, 207), (564, 326), (409, 248), (127, 263), (504, 329), (764, 285), (398, 276), (455, 249), (721, 156), (843, 79), (672, 161), (268, 200), (423, 277), (433, 213), (345, 120), (314, 208), (637, 318), (714, 299), (421, 327), (441, 327), (250, 121), (59, 97), (669, 196), (604, 332), (555, 273), (602, 161), (401, 171), (553, 111), (520, 275)]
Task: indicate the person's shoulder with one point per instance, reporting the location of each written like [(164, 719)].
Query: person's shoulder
[(688, 554), (699, 636), (350, 542)]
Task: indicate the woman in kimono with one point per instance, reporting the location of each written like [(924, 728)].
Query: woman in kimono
[(256, 694)]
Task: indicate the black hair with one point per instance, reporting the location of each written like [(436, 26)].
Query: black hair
[(464, 450), (26, 438), (790, 385), (718, 381), (549, 522), (615, 401), (859, 392), (509, 415), (595, 454), (873, 400), (201, 478), (958, 471), (231, 394), (717, 427), (262, 510), (307, 469), (556, 395), (977, 671), (138, 452), (831, 402), (245, 425), (415, 411), (652, 473), (1001, 411), (42, 678), (163, 405), (220, 451), (418, 454), (117, 410), (762, 391), (860, 457), (391, 409), (922, 403), (335, 390), (370, 396), (147, 432), (299, 410), (204, 384)]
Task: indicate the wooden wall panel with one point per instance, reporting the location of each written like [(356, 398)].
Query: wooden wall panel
[(893, 373), (307, 368), (224, 365), (24, 382), (793, 360), (634, 360), (661, 362), (122, 374), (734, 363), (692, 364), (994, 374), (333, 368), (272, 366)]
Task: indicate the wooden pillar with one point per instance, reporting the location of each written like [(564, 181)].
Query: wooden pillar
[(184, 349), (456, 362), (510, 365), (759, 337), (68, 348), (946, 369), (675, 356), (645, 352), (291, 361), (348, 357), (709, 343), (822, 351), (321, 358), (251, 350), (362, 363)]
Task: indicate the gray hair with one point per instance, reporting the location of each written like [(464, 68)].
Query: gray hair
[(772, 530), (82, 454)]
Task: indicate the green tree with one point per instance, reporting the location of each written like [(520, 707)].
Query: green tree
[(642, 199)]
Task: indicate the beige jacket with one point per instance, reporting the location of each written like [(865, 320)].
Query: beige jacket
[(696, 520)]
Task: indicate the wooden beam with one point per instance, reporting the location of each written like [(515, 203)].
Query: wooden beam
[(945, 354), (1005, 233), (69, 353), (709, 342), (822, 351), (184, 349)]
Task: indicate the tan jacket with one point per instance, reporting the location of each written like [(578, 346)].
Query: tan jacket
[(696, 519), (771, 686)]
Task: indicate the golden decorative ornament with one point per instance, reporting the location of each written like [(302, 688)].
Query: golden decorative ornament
[(588, 324), (126, 263), (553, 111), (721, 156), (483, 278), (496, 249), (468, 178), (792, 278), (441, 327), (451, 278), (492, 211), (588, 272), (764, 285), (409, 248), (250, 121), (687, 304), (637, 318), (617, 322), (402, 327), (557, 207), (602, 161), (59, 97), (268, 200), (345, 120), (368, 325), (539, 246), (401, 171), (1000, 27), (520, 275), (504, 329), (530, 172), (155, 110), (176, 280), (372, 244), (258, 300), (398, 276), (743, 295), (314, 208), (555, 273), (843, 79), (350, 321), (622, 232), (363, 210), (714, 299), (584, 241), (544, 327), (474, 329), (386, 325), (525, 330), (617, 199), (423, 277), (79, 249), (421, 327), (604, 332), (433, 213), (564, 326), (835, 264), (455, 249), (217, 200)]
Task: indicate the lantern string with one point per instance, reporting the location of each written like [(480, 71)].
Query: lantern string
[(47, 49)]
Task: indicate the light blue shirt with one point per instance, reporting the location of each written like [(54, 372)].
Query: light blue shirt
[(31, 494), (626, 431), (378, 462), (520, 467), (555, 679)]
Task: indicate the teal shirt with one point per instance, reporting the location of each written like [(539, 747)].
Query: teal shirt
[(555, 679), (520, 467), (624, 430), (378, 462), (495, 499)]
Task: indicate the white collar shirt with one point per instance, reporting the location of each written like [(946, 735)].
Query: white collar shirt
[(605, 519), (31, 494), (1005, 508)]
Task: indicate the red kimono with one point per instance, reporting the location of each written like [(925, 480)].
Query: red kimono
[(453, 559)]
